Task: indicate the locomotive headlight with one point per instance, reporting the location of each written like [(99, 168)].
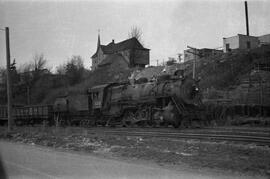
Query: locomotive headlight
[(194, 91)]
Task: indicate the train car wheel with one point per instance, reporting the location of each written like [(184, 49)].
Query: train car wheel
[(81, 123), (18, 123), (127, 119), (176, 124), (185, 123), (62, 123), (68, 122)]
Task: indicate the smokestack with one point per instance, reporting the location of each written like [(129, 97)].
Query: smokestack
[(247, 26)]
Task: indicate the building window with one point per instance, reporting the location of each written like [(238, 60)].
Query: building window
[(248, 44)]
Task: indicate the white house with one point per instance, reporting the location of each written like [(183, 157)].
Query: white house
[(241, 41)]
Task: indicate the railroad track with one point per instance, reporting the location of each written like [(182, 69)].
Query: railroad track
[(195, 131), (241, 137), (224, 131)]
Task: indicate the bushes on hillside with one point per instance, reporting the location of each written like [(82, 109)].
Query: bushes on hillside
[(224, 71)]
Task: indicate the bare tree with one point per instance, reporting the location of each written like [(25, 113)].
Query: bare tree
[(136, 32), (73, 69), (39, 62), (31, 73), (61, 69), (25, 68)]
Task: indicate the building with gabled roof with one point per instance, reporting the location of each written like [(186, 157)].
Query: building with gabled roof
[(130, 50)]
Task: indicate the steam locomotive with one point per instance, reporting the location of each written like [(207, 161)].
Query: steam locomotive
[(166, 100)]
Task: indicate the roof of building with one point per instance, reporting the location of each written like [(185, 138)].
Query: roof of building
[(111, 58), (209, 49), (243, 35), (266, 35), (98, 87), (112, 47)]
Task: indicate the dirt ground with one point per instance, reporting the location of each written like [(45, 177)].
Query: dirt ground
[(200, 155)]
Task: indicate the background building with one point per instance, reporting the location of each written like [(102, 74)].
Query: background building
[(264, 39), (240, 41), (190, 54), (244, 42), (131, 50)]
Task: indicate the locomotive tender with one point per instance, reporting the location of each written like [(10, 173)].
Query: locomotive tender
[(165, 100)]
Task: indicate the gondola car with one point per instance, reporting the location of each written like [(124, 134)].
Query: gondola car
[(36, 114), (29, 115)]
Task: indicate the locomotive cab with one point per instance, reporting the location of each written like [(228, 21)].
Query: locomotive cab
[(96, 96)]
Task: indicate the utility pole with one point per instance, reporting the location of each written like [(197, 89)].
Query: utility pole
[(194, 66), (179, 57), (261, 95), (194, 61), (9, 90), (28, 95), (246, 10)]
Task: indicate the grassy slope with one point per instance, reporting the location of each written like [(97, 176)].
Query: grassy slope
[(226, 70)]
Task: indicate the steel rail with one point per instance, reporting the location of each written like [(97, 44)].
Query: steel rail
[(214, 132), (192, 132), (238, 138), (238, 130)]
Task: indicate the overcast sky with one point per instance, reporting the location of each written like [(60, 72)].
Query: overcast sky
[(60, 29)]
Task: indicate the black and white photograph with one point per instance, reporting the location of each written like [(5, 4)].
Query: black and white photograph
[(134, 89)]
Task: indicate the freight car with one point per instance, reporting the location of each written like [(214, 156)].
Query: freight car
[(29, 115), (167, 100), (36, 114), (66, 110)]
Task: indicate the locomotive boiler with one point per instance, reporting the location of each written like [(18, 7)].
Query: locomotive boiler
[(166, 100)]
